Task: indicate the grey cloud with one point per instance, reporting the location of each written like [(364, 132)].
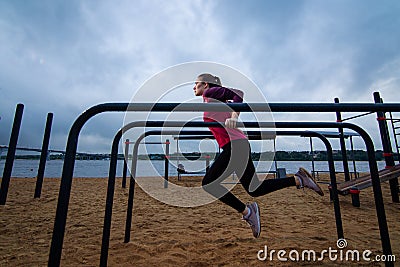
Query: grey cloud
[(64, 57)]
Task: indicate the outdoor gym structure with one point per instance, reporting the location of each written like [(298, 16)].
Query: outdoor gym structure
[(253, 135), (352, 187), (72, 142), (334, 195), (65, 187)]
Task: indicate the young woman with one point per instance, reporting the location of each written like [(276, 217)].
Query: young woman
[(236, 156)]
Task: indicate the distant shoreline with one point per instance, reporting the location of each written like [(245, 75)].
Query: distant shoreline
[(357, 155)]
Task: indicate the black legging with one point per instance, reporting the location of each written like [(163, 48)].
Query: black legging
[(236, 157)]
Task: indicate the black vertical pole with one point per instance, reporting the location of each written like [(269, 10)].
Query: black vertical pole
[(166, 165), (275, 161), (131, 193), (387, 149), (334, 193), (312, 158), (343, 146), (12, 147), (124, 171), (43, 155), (105, 244), (207, 162), (380, 207), (354, 160), (393, 121)]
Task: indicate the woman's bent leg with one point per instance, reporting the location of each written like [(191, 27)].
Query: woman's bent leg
[(256, 188), (219, 170)]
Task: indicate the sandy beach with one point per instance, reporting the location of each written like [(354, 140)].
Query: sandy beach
[(165, 235)]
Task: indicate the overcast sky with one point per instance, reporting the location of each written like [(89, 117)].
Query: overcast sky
[(66, 56)]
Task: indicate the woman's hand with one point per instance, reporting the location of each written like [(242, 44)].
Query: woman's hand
[(231, 122)]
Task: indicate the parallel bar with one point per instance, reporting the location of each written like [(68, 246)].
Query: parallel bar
[(264, 107), (107, 218), (72, 142), (244, 107), (128, 221), (261, 135), (5, 182), (380, 208)]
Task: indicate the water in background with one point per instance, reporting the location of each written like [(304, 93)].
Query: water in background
[(99, 168)]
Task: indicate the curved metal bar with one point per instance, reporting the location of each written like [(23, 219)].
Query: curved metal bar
[(203, 124), (72, 142), (380, 208), (369, 145), (128, 222), (260, 135)]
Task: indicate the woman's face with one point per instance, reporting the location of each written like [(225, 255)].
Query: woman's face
[(199, 88)]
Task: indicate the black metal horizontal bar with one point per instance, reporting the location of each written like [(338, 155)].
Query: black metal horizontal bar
[(247, 107), (253, 135)]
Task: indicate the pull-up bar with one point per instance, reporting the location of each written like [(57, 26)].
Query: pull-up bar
[(72, 143)]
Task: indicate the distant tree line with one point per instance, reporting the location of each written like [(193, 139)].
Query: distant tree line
[(358, 155)]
